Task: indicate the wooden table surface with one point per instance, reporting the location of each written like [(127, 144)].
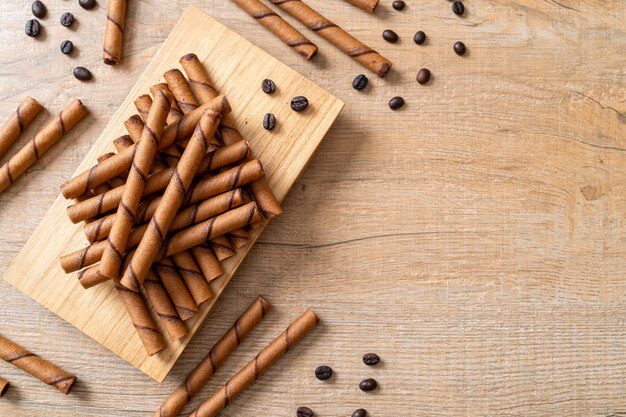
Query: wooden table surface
[(476, 239)]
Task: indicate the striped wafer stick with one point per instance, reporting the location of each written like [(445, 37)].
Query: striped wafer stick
[(164, 308), (123, 142), (134, 126), (349, 45), (367, 5), (4, 386), (193, 277), (222, 248), (175, 111), (208, 263), (279, 27), (18, 122), (199, 376), (50, 134), (178, 86), (176, 288), (239, 238), (143, 104), (114, 32)]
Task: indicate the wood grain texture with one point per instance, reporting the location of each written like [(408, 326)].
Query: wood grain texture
[(476, 239)]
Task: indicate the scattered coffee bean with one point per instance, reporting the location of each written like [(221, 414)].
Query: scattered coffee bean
[(398, 5), (39, 9), (323, 372), (371, 359), (32, 28), (359, 413), (423, 76), (82, 73), (87, 4), (299, 103), (67, 19), (419, 38), (360, 82), (459, 48), (268, 86), (390, 36), (269, 121), (66, 47), (395, 103), (368, 385), (458, 8), (304, 412)]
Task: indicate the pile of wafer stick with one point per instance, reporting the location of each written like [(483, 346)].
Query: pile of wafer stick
[(178, 197)]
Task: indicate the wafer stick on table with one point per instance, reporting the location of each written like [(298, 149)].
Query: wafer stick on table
[(175, 111), (222, 248), (256, 367), (367, 5), (50, 134), (164, 308), (4, 386), (277, 25), (178, 86), (114, 32), (18, 122), (176, 288), (209, 265), (193, 277), (39, 368), (216, 357), (349, 45)]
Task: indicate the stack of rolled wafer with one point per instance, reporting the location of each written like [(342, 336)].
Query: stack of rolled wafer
[(177, 199)]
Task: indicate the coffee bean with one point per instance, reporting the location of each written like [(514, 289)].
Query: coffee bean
[(459, 48), (39, 9), (304, 412), (359, 413), (371, 359), (32, 28), (423, 76), (390, 36), (299, 103), (360, 82), (87, 4), (66, 47), (67, 19), (82, 73), (368, 385), (419, 38), (395, 103), (269, 121), (398, 5), (458, 8), (268, 86), (323, 372)]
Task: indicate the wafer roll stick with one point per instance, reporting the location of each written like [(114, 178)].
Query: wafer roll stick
[(172, 200), (193, 277), (283, 30), (367, 5), (4, 386), (208, 263), (175, 111), (201, 83), (216, 357), (222, 248), (239, 238), (146, 149), (114, 32), (18, 122), (349, 45), (176, 288), (50, 134), (143, 104), (178, 86), (171, 155), (103, 188), (39, 368), (256, 367), (123, 142), (134, 126), (164, 308), (121, 162)]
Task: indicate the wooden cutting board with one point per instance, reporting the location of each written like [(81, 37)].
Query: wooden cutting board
[(237, 68)]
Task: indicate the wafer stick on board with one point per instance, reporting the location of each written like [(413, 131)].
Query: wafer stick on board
[(178, 86), (277, 25), (256, 367), (175, 111), (18, 122), (114, 32), (209, 265), (222, 248), (4, 386), (200, 375), (193, 277), (39, 368), (349, 45), (143, 104), (134, 126), (239, 238), (164, 308), (123, 142), (367, 5), (176, 288)]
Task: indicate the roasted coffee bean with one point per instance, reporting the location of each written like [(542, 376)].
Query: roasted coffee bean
[(359, 413), (398, 5), (39, 9), (419, 38), (299, 103), (268, 86), (390, 36), (32, 28), (67, 19), (459, 48), (304, 412), (371, 359), (458, 8), (82, 73), (323, 372), (360, 82), (66, 47), (395, 103), (368, 385), (423, 76), (87, 4), (269, 121)]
